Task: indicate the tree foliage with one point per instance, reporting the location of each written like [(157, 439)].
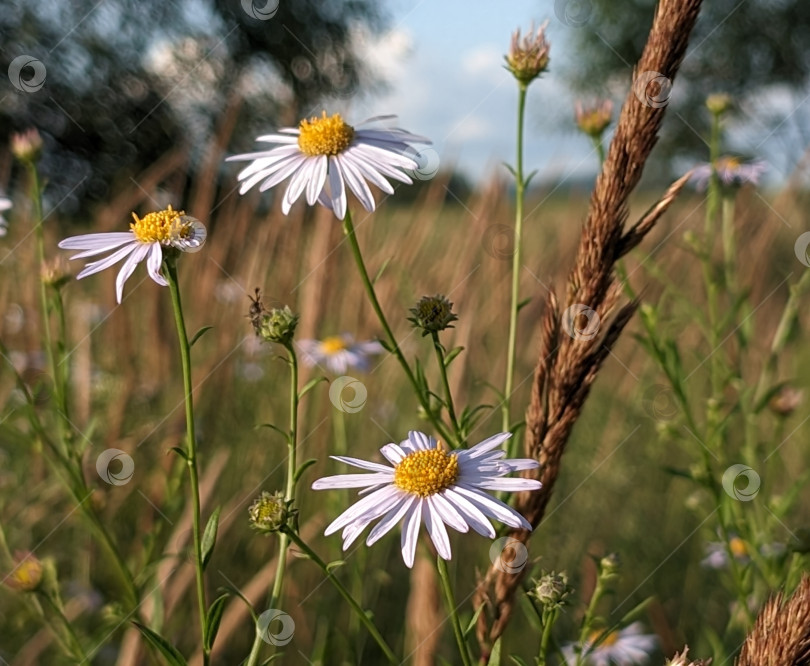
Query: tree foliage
[(757, 50), (128, 80)]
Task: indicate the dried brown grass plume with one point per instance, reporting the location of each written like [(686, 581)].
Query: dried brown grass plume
[(781, 634), (567, 366)]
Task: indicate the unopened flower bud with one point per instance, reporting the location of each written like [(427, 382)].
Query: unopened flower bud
[(528, 57), (277, 325), (552, 590), (269, 512), (718, 103), (432, 314), (26, 146), (786, 401), (594, 120), (27, 573), (56, 272), (610, 565)]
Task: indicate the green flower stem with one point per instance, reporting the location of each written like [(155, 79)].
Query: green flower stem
[(448, 396), (74, 645), (348, 230), (289, 497), (520, 186), (463, 648), (170, 272), (588, 619), (58, 373), (549, 618), (600, 148), (361, 614)]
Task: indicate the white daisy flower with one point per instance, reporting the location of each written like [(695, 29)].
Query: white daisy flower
[(339, 353), (426, 483), (5, 204), (324, 155), (146, 239), (627, 647)]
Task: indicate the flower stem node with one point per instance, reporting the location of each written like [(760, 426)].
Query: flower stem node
[(270, 512), (528, 57), (432, 314)]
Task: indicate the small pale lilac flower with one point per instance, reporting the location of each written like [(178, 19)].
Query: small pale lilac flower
[(731, 171), (339, 353)]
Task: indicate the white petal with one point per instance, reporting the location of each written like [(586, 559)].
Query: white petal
[(436, 530), (365, 510), (421, 441), (472, 514), (297, 184), (518, 464), (385, 169), (508, 484), (488, 444), (390, 519), (317, 179), (357, 184), (287, 169), (351, 481), (368, 171), (410, 532), (153, 264), (492, 506), (365, 464), (393, 453), (449, 514), (337, 189), (101, 242), (128, 269), (114, 258)]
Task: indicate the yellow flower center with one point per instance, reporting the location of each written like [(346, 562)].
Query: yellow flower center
[(730, 163), (163, 226), (737, 547), (333, 345), (609, 640), (426, 473), (324, 136)]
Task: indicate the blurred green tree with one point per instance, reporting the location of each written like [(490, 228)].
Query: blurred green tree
[(756, 50), (120, 83)]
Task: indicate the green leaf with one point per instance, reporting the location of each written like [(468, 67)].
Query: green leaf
[(335, 565), (311, 384), (510, 169), (495, 655), (209, 537), (381, 270), (180, 452), (236, 592), (303, 467), (199, 334), (523, 303), (169, 652), (473, 621), (768, 395), (281, 432), (529, 178), (451, 355), (675, 471), (213, 618), (387, 346), (517, 660)]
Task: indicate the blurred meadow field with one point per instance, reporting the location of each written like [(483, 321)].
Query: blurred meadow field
[(709, 376)]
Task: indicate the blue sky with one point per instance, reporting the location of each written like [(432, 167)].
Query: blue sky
[(444, 65), (443, 62)]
